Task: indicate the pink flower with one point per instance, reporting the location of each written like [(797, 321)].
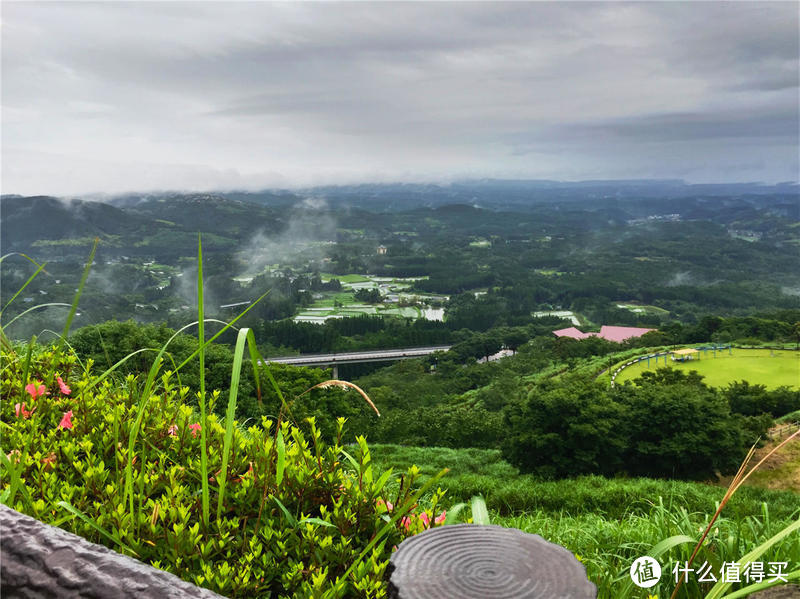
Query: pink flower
[(173, 430), (63, 386), (425, 519), (441, 517), (387, 504), (195, 428), (35, 390), (20, 410), (66, 420), (405, 522)]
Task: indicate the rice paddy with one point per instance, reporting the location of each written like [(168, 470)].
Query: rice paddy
[(399, 300)]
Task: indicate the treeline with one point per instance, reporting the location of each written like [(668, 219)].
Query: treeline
[(541, 405), (353, 334)]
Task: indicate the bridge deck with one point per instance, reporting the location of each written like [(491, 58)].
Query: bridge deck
[(382, 355)]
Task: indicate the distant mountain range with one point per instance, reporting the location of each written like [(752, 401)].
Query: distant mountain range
[(143, 223)]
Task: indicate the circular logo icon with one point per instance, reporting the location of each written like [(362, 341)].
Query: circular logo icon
[(645, 572)]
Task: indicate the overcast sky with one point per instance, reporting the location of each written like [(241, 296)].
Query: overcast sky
[(112, 97)]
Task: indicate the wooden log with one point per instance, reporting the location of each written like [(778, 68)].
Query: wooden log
[(468, 561), (40, 561)]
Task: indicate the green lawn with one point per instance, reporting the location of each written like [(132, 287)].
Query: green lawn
[(348, 278), (757, 366)]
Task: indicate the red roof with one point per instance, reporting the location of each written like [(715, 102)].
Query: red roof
[(608, 333), (573, 333), (622, 333)]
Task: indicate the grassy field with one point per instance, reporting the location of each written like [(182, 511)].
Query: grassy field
[(643, 308), (348, 278), (757, 366)]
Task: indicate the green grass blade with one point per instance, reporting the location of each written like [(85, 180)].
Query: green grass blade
[(657, 550), (27, 367), (480, 515), (718, 589), (28, 258), (5, 342), (275, 387), (381, 482), (21, 289), (318, 521), (15, 483), (292, 520), (254, 359), (32, 308), (760, 586), (75, 511), (218, 333), (201, 336), (281, 464), (238, 353), (78, 294), (351, 459), (453, 513)]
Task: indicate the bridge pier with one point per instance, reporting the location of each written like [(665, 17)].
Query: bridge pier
[(335, 371)]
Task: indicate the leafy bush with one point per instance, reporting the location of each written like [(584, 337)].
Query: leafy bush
[(752, 400), (667, 425), (293, 522)]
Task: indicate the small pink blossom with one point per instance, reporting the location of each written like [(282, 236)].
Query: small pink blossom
[(195, 428), (66, 420), (387, 504), (425, 519), (173, 430), (19, 410), (36, 390), (406, 522), (63, 386), (441, 517)]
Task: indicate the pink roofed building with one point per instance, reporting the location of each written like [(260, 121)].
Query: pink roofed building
[(616, 334), (572, 333)]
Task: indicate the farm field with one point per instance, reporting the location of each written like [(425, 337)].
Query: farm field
[(343, 303), (771, 368)]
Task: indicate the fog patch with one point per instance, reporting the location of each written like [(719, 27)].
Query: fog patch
[(681, 278), (308, 237)]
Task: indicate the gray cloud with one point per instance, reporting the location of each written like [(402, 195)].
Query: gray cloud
[(198, 95)]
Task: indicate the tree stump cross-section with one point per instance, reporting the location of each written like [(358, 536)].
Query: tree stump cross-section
[(468, 561)]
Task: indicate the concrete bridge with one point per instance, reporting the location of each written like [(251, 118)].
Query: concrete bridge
[(358, 357)]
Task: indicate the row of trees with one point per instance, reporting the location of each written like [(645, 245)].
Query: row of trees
[(668, 424)]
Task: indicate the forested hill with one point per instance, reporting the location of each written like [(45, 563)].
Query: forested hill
[(27, 220), (159, 226)]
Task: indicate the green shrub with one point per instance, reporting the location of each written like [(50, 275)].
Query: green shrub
[(666, 424), (294, 520)]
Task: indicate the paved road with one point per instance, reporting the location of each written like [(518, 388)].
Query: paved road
[(378, 355)]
